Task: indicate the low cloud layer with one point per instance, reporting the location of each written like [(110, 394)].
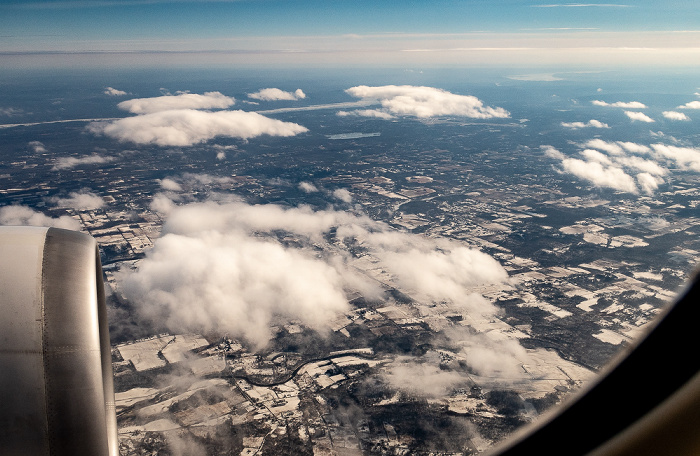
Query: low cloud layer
[(626, 166), (423, 377), (487, 354), (590, 124), (426, 102), (621, 104), (222, 267), (25, 216), (210, 100), (274, 94), (186, 127)]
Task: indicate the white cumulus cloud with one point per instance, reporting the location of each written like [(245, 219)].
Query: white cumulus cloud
[(185, 127), (37, 146), (600, 175), (649, 183), (112, 92), (621, 104), (643, 165), (171, 185), (609, 147), (628, 146), (690, 105), (72, 162), (210, 100), (233, 282), (23, 216), (221, 267), (675, 115), (343, 195), (686, 158), (307, 187), (425, 102), (594, 155), (551, 152), (442, 275), (590, 124), (83, 200), (627, 166), (638, 116), (273, 94)]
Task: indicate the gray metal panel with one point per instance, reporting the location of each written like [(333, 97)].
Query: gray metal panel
[(55, 362), (23, 425), (107, 371), (72, 358)]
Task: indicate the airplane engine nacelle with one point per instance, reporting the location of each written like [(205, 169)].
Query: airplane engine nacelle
[(56, 383)]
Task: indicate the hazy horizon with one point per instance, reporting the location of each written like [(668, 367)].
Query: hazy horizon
[(219, 32)]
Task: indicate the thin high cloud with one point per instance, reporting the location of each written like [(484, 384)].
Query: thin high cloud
[(11, 112), (274, 94), (590, 124), (376, 113), (540, 77), (210, 100), (50, 5), (424, 102), (621, 104), (582, 5), (25, 216), (627, 166), (186, 127), (221, 267)]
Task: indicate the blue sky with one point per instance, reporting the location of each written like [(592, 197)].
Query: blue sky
[(361, 31)]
